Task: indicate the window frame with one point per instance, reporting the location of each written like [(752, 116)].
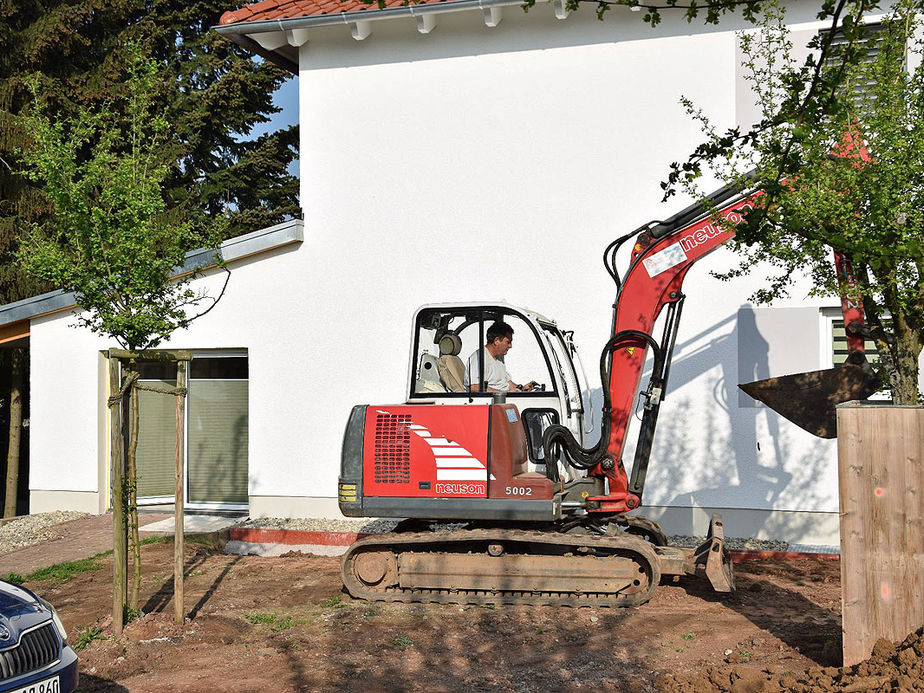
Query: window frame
[(487, 312), (205, 505)]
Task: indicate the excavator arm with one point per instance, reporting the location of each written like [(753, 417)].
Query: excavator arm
[(662, 254)]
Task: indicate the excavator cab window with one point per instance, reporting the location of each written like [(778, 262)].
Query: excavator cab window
[(447, 343)]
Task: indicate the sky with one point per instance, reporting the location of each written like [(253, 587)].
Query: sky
[(285, 98)]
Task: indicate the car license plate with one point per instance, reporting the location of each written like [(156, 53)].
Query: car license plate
[(51, 685)]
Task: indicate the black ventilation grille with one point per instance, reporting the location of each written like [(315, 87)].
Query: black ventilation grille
[(392, 449)]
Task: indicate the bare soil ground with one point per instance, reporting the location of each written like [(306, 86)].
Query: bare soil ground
[(283, 624)]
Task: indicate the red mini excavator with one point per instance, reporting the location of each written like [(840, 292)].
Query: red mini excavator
[(501, 500)]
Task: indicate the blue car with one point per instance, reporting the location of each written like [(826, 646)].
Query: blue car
[(34, 654)]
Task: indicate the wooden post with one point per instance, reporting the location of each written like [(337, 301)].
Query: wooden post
[(17, 359), (178, 507), (881, 471), (119, 543)]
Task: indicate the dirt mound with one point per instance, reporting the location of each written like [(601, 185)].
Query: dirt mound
[(154, 627), (891, 667)]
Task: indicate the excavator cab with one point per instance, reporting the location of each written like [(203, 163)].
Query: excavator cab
[(446, 336)]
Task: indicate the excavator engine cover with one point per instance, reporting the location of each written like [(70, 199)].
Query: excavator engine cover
[(809, 399)]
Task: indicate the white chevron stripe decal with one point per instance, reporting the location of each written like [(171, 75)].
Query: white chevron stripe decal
[(461, 474), (451, 452), (451, 458), (458, 463)]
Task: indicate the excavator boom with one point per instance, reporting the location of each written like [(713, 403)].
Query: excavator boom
[(662, 254)]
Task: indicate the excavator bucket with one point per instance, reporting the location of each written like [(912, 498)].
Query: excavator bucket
[(713, 557), (809, 399)]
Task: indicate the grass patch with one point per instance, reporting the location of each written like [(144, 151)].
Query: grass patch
[(262, 618), (283, 624), (86, 635), (60, 572), (402, 641), (273, 621), (334, 602), (688, 636), (157, 539)]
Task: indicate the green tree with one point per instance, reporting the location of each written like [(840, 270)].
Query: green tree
[(111, 238), (847, 176)]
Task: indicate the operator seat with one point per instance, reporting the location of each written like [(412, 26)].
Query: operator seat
[(428, 375), (451, 368)]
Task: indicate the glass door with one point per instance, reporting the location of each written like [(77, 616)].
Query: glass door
[(216, 451)]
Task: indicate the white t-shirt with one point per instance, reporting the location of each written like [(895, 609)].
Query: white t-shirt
[(495, 372)]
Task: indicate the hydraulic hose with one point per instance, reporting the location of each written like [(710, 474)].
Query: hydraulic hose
[(561, 438)]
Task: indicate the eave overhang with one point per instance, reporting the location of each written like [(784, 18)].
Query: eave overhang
[(278, 40), (15, 317)]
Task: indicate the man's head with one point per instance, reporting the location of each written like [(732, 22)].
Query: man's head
[(499, 338)]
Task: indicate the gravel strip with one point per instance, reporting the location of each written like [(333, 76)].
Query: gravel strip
[(318, 525), (379, 526), (748, 544), (32, 529)]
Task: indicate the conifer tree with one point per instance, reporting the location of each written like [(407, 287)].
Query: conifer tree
[(210, 89), (213, 91)]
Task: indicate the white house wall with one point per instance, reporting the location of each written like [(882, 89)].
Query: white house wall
[(474, 164), (483, 164)]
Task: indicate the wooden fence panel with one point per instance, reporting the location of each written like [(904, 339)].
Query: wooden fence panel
[(881, 473)]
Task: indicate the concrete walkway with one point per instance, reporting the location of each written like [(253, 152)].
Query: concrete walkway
[(89, 536)]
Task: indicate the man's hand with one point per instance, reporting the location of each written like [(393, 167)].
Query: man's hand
[(528, 387)]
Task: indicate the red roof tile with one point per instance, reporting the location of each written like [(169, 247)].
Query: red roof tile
[(290, 9)]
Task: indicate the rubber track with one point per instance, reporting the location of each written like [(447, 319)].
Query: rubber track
[(640, 551)]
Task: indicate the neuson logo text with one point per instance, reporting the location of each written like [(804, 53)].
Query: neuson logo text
[(700, 236), (460, 489)]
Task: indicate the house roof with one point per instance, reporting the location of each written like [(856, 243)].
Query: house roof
[(275, 29), (268, 10)]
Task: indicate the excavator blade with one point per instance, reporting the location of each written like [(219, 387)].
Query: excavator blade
[(809, 399)]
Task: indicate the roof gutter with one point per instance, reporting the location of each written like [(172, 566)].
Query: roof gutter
[(239, 31)]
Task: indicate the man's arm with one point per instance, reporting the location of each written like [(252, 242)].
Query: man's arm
[(528, 387), (475, 387)]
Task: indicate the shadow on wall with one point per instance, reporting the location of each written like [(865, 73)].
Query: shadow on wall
[(710, 452)]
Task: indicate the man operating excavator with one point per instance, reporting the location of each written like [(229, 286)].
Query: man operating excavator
[(498, 341)]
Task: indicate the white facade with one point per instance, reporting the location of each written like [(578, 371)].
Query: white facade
[(481, 164)]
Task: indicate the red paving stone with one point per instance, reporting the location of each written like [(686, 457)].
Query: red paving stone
[(73, 540), (294, 536)]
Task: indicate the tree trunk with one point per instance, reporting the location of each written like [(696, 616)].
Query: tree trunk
[(904, 377), (12, 456)]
